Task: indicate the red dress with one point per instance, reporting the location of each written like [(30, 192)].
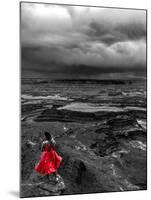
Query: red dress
[(49, 161)]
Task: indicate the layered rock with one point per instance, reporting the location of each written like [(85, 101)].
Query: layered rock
[(66, 114), (105, 155)]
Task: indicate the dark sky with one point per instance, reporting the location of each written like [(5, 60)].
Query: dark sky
[(82, 42)]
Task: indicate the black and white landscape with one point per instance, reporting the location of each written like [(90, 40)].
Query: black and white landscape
[(83, 78)]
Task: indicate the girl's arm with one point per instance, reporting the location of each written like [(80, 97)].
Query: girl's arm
[(43, 144), (53, 143), (33, 145)]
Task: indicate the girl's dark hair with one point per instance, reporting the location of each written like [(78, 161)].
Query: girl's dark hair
[(47, 135)]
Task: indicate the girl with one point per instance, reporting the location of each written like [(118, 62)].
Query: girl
[(50, 160)]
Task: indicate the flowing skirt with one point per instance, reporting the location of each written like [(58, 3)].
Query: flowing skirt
[(49, 162)]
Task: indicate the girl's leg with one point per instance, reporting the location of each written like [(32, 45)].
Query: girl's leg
[(56, 176), (51, 178), (56, 173), (48, 178)]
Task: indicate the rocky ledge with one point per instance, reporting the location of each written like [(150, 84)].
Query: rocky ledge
[(72, 114), (105, 156)]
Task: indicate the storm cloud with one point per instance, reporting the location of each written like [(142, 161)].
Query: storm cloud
[(63, 41)]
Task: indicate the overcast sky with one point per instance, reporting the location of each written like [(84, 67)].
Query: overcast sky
[(61, 41)]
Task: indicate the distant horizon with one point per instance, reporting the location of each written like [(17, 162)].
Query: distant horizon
[(88, 79)]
